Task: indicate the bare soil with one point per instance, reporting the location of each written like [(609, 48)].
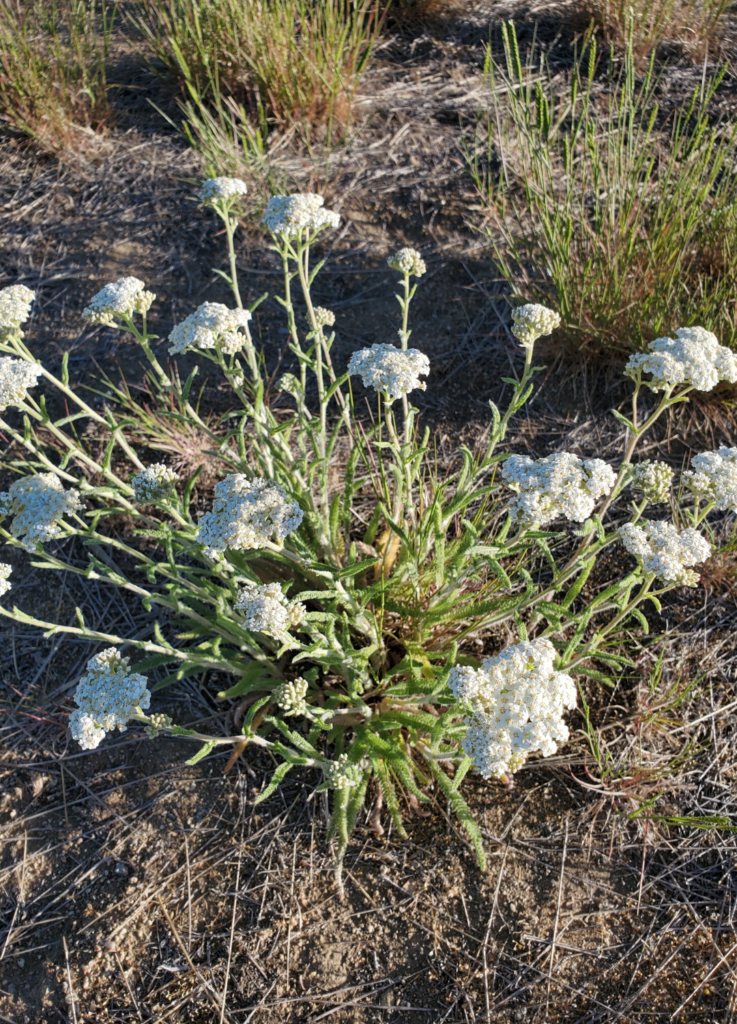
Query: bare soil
[(136, 888)]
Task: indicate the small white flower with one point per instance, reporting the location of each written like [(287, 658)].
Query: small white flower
[(533, 321), (653, 479), (36, 504), (15, 307), (154, 483), (665, 552), (341, 773), (211, 325), (693, 357), (408, 261), (324, 317), (217, 189), (16, 377), (290, 697), (5, 584), (266, 609), (247, 514), (107, 695), (714, 478), (559, 485), (290, 215), (390, 370), (118, 301), (517, 701)]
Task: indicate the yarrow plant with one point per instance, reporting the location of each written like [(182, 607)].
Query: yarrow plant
[(336, 575)]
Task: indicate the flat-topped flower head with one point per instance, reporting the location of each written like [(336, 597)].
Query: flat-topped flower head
[(16, 377), (517, 701), (212, 325), (15, 308), (108, 695), (303, 211), (247, 514), (666, 552), (533, 321), (291, 695), (559, 485), (117, 301), (216, 190), (694, 358), (154, 483), (266, 609), (390, 370), (324, 317), (654, 479), (408, 261), (713, 478), (5, 584), (37, 503)]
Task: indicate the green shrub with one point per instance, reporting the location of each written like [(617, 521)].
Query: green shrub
[(620, 215), (340, 576)]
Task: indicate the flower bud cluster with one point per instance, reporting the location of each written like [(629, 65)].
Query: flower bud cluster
[(266, 609), (533, 321), (389, 369), (16, 377), (15, 307), (323, 317), (5, 584), (118, 301), (107, 695), (36, 504), (713, 477), (517, 701), (290, 215), (408, 261), (559, 485), (247, 514), (217, 189), (341, 774), (654, 479), (693, 357), (211, 325), (665, 552), (291, 696), (156, 723), (154, 483), (288, 384)]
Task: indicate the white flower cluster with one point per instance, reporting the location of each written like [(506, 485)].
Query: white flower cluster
[(533, 321), (266, 609), (5, 584), (653, 479), (665, 552), (107, 695), (247, 514), (324, 317), (16, 377), (36, 504), (15, 307), (714, 477), (408, 261), (693, 357), (215, 189), (559, 485), (341, 774), (212, 324), (303, 211), (389, 369), (154, 483), (517, 701), (118, 301), (289, 385), (290, 696)]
